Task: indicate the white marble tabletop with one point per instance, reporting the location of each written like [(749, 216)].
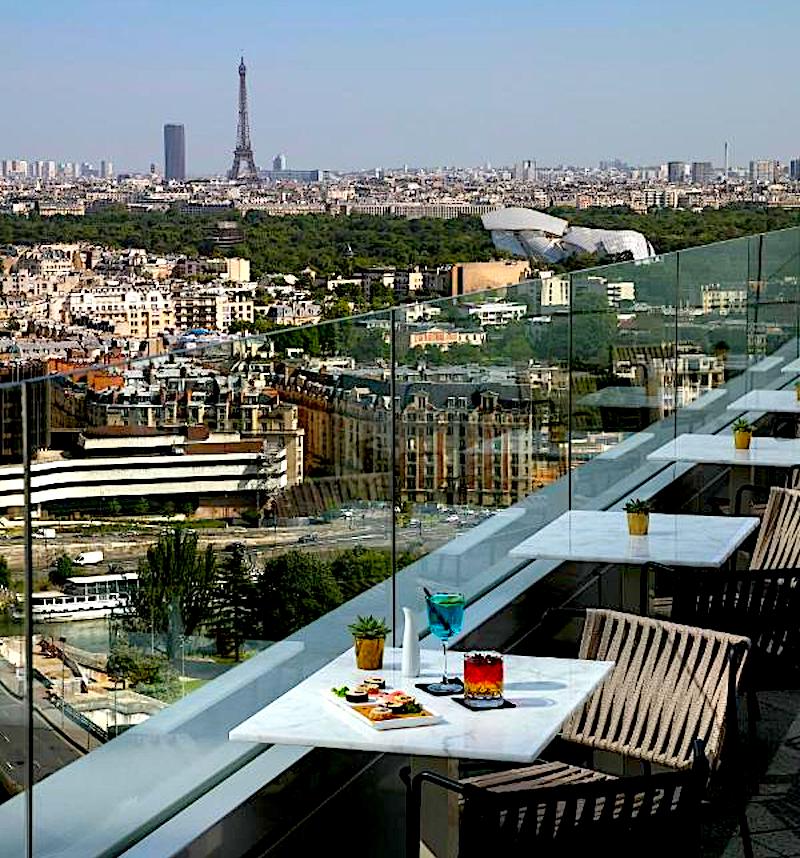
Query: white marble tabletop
[(602, 536), (720, 450), (545, 690), (779, 401), (793, 366)]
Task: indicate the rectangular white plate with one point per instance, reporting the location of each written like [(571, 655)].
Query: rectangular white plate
[(389, 724)]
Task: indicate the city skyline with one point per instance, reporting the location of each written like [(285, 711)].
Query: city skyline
[(424, 86)]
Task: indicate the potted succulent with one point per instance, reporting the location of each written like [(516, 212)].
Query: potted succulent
[(742, 434), (370, 636), (638, 516)]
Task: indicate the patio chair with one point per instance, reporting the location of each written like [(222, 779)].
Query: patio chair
[(778, 542), (751, 499), (657, 815), (763, 605), (671, 684)]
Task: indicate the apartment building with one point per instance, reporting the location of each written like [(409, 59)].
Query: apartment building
[(142, 310), (723, 301), (441, 337), (213, 308), (476, 442), (497, 313)]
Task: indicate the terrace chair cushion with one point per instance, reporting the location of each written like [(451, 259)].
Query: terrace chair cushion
[(671, 685), (541, 774)]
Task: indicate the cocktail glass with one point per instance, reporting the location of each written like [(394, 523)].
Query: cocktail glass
[(445, 618), (483, 680)]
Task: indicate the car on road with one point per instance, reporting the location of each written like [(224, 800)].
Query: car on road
[(308, 537), (452, 519)]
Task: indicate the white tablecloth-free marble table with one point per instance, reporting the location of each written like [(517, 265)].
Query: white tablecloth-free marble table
[(674, 540), (545, 690), (720, 450), (792, 367), (600, 536), (777, 401)]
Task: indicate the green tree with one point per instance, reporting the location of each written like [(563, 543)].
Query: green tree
[(141, 507), (357, 569), (235, 602), (114, 507), (295, 589), (126, 664), (5, 575), (176, 588), (63, 569)]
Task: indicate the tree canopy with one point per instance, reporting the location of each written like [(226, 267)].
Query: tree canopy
[(176, 586)]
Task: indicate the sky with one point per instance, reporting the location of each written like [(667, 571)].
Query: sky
[(346, 84)]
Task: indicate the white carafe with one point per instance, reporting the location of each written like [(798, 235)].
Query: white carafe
[(410, 662)]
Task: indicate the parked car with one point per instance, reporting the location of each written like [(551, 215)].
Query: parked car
[(308, 537)]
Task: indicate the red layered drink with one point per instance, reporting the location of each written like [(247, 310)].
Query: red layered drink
[(483, 680)]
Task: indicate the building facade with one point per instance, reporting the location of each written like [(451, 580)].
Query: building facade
[(174, 153)]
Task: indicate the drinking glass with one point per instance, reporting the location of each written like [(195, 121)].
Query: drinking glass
[(445, 618), (483, 680)]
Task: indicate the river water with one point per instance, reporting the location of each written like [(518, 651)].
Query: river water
[(91, 635)]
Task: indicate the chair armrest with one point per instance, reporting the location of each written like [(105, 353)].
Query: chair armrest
[(756, 491)]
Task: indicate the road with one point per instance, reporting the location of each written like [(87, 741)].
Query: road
[(51, 750), (127, 545)]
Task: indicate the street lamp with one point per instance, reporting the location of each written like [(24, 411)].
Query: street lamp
[(63, 642)]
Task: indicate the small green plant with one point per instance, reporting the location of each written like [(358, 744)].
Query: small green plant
[(741, 425), (369, 628), (638, 505)]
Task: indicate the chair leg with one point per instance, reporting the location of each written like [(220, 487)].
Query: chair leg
[(744, 830), (753, 714), (413, 806)]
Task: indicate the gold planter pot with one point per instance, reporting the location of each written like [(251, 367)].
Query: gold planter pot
[(369, 653), (742, 439), (638, 522), (797, 392)]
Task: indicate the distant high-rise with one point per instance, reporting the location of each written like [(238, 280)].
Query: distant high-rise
[(174, 153), (702, 173), (762, 172), (794, 169), (676, 172), (279, 162), (106, 170)]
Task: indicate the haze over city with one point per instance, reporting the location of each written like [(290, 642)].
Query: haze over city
[(360, 84)]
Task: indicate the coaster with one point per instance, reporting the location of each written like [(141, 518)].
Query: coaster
[(425, 686), (467, 704)]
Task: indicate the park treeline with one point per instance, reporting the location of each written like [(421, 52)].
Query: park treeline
[(336, 244)]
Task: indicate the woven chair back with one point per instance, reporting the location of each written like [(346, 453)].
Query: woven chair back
[(762, 604), (778, 543), (670, 685)]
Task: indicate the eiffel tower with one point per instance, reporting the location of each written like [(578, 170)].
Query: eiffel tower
[(244, 167)]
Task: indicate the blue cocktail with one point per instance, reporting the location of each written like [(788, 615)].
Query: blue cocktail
[(445, 618)]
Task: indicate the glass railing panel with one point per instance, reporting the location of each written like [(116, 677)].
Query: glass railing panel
[(482, 405), (193, 509), (714, 361), (773, 294), (621, 357), (17, 766)]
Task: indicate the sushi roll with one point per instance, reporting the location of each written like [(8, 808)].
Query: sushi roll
[(377, 681), (357, 695), (379, 713)]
